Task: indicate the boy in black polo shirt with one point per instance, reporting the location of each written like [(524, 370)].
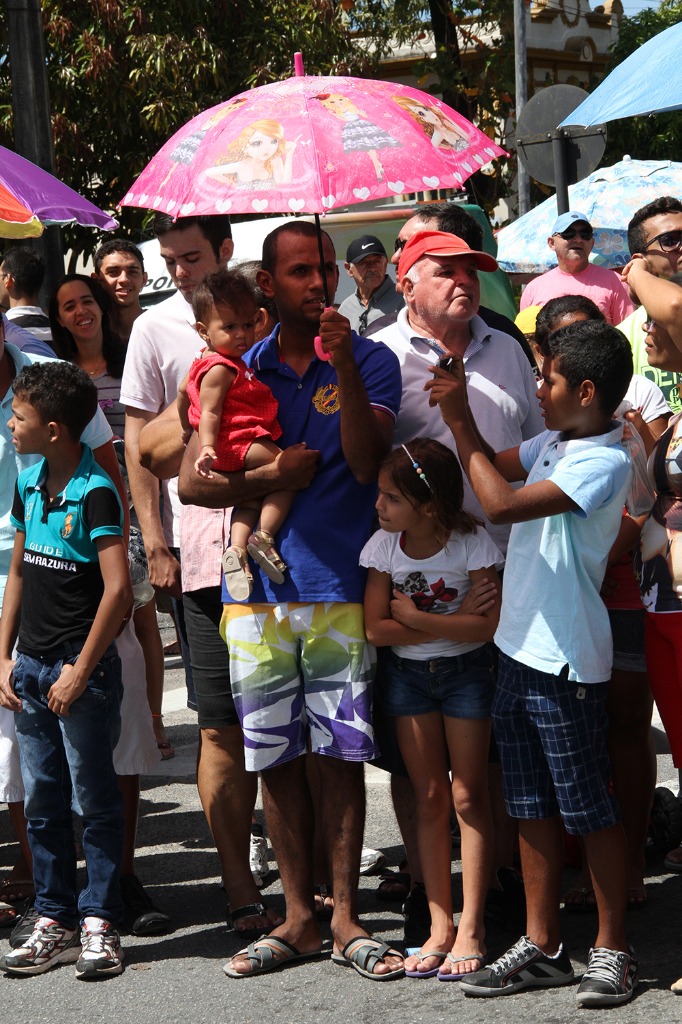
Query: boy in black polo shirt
[(68, 591)]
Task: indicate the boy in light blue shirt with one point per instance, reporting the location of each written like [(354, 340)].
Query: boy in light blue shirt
[(555, 642)]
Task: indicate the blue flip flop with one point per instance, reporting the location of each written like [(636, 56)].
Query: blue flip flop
[(415, 951)]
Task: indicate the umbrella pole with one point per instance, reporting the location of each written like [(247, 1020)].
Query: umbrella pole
[(322, 267)]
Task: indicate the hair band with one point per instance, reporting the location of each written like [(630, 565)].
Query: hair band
[(417, 468)]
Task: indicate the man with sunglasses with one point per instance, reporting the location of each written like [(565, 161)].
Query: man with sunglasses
[(572, 241), (655, 232)]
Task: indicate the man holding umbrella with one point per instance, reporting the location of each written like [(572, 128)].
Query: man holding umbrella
[(299, 662)]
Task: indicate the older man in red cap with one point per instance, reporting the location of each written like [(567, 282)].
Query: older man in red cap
[(438, 273)]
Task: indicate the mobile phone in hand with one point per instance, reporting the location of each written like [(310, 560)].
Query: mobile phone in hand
[(446, 363)]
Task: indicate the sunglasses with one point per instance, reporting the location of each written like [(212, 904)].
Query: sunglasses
[(585, 233), (668, 241), (399, 244)]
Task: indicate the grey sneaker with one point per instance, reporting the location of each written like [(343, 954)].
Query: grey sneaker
[(610, 978), (522, 966), (48, 945), (101, 953), (258, 859), (25, 926)]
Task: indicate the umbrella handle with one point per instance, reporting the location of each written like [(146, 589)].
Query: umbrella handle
[(319, 351)]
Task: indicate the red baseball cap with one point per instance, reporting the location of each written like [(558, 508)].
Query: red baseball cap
[(440, 243)]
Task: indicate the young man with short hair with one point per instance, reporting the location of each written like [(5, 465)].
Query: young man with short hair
[(22, 272), (119, 268), (655, 232)]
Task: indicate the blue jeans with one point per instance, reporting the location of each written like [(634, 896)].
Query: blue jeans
[(69, 760)]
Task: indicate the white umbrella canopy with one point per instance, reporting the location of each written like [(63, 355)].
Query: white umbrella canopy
[(608, 197)]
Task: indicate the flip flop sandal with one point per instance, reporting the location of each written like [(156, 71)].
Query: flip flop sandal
[(323, 911), (394, 886), (238, 578), (16, 890), (457, 976), (363, 954), (261, 547), (421, 957), (580, 900), (271, 954), (9, 915), (249, 910)]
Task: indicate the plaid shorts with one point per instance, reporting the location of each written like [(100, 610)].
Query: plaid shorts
[(552, 738), (302, 679)]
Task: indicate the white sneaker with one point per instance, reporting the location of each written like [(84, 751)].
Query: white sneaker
[(371, 861), (49, 944), (101, 952), (258, 859)]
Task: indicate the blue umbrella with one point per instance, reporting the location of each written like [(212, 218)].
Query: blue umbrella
[(608, 197), (649, 81)]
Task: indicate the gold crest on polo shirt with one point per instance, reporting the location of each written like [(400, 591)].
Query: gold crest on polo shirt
[(326, 399)]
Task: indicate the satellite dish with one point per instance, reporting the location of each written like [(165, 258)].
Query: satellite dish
[(536, 132)]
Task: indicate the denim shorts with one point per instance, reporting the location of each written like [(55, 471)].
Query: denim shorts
[(627, 628), (459, 687)]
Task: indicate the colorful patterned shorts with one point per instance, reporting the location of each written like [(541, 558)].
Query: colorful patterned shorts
[(302, 680)]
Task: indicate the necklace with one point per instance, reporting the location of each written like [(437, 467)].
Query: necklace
[(99, 368)]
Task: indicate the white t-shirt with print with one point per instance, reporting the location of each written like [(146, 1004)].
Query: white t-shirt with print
[(437, 584)]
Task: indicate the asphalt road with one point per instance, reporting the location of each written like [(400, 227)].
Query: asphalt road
[(179, 977)]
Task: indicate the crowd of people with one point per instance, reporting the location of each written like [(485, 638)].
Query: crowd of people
[(370, 522)]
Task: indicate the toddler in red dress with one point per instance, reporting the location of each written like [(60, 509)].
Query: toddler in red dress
[(235, 416)]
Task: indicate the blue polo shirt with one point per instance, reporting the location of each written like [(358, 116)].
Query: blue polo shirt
[(331, 520), (62, 581)]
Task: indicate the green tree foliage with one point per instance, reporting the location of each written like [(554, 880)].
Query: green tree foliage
[(123, 76), (659, 136)]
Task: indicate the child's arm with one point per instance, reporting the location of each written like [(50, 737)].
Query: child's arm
[(182, 403), (9, 624), (499, 501), (381, 628), (115, 603), (215, 384), (457, 626)]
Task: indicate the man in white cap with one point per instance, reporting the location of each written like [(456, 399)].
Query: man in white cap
[(572, 241), (366, 263)]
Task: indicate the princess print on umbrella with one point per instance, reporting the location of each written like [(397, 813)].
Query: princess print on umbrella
[(442, 131), (258, 158), (186, 150), (358, 133)]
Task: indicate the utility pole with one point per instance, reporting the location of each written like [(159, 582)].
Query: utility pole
[(31, 110), (521, 65)]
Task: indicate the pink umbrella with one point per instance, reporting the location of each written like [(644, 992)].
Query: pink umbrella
[(311, 144)]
